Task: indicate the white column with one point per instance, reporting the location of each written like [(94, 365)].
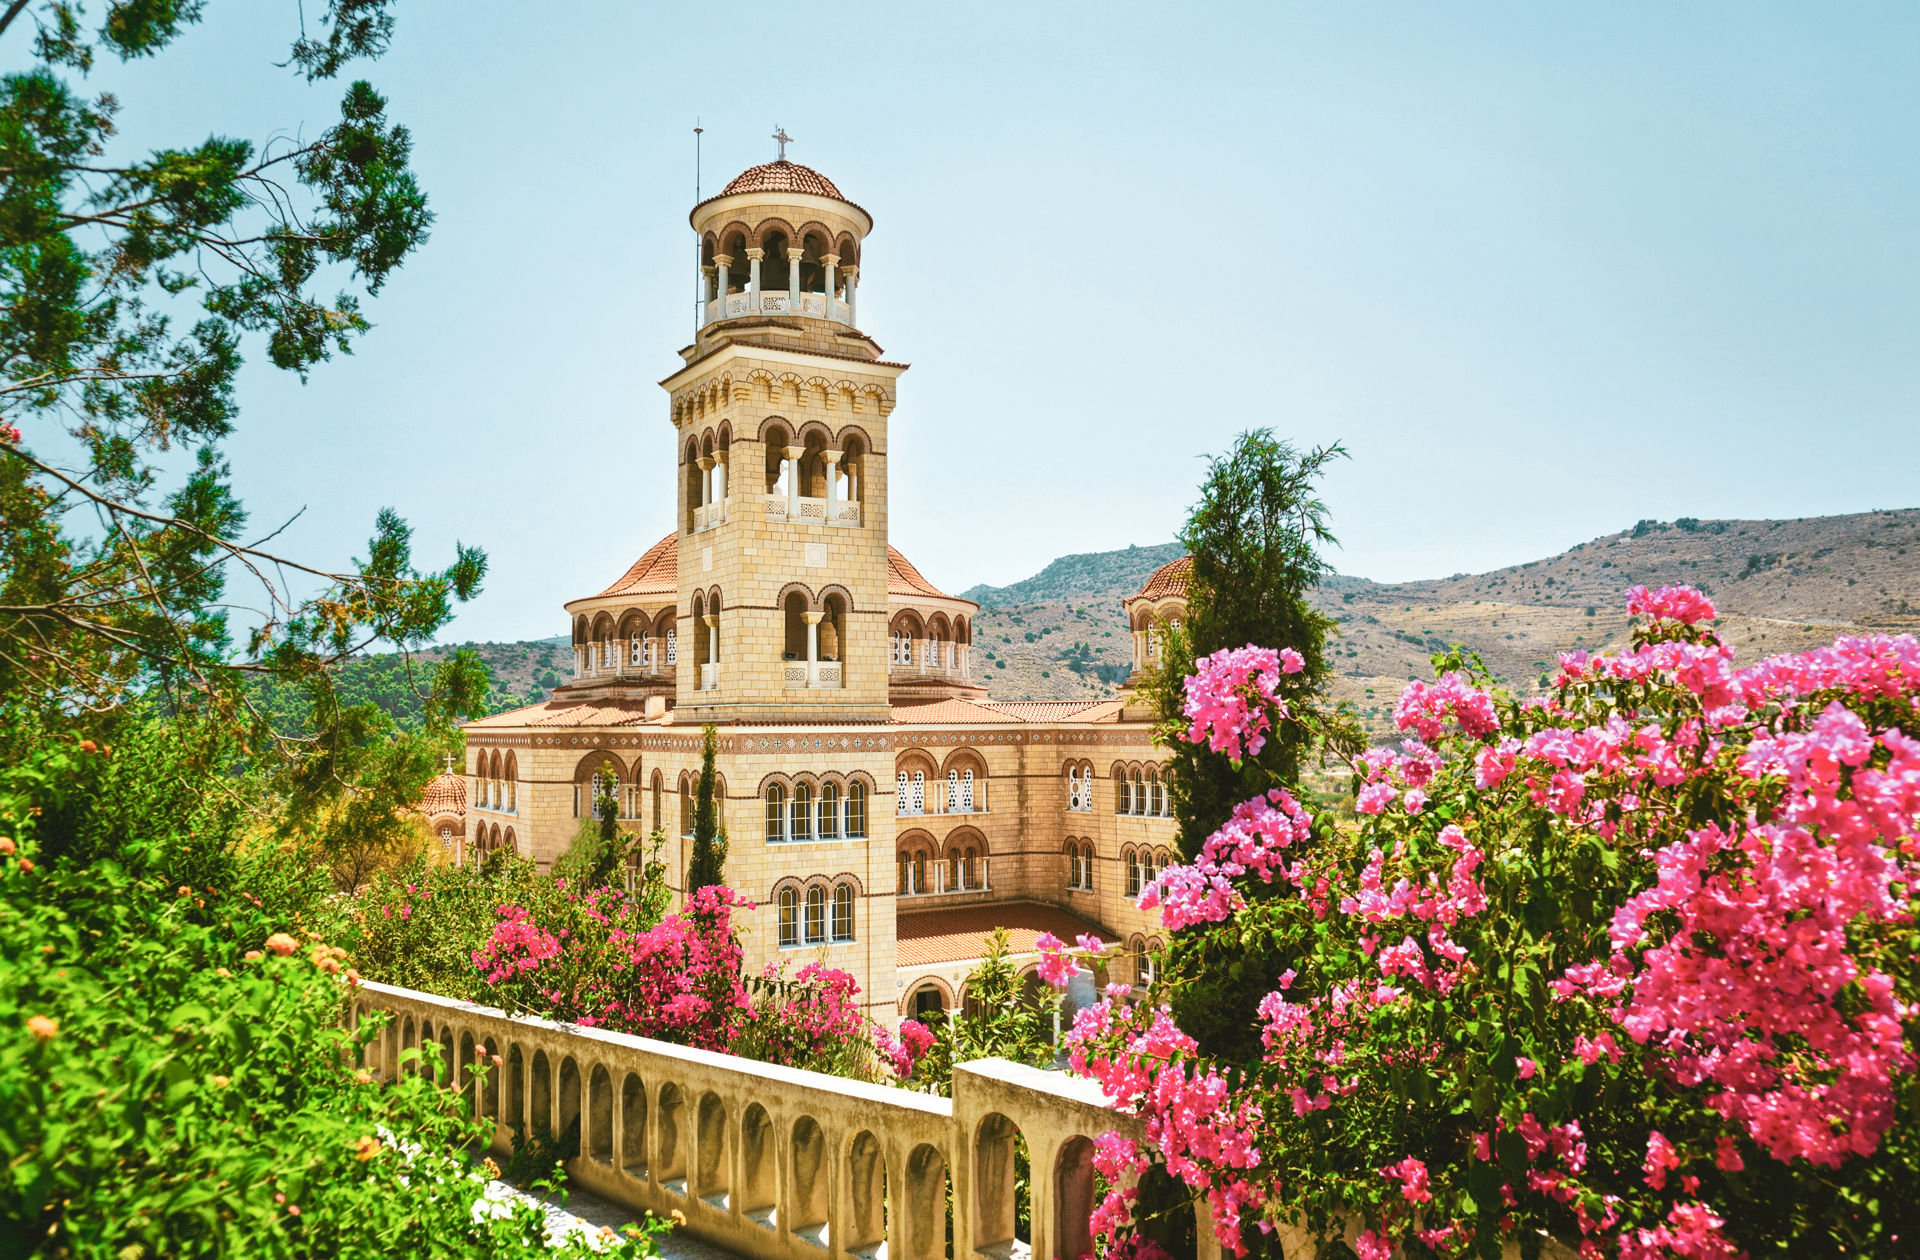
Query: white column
[(713, 637), (793, 481), (706, 481), (813, 645), (853, 274), (720, 479), (831, 261), (833, 480), (721, 262), (793, 278), (753, 277)]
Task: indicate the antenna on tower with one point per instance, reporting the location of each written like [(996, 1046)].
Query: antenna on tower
[(699, 276)]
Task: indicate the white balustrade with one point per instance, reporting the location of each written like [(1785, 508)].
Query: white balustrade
[(709, 677), (812, 511), (707, 515), (814, 675), (777, 302), (768, 1162)]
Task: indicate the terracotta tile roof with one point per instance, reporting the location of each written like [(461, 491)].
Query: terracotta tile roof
[(927, 938), (446, 794), (1054, 710), (904, 579), (782, 176), (1171, 578), (557, 713), (656, 572), (951, 712)]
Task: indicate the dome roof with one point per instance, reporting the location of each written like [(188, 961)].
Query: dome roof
[(656, 572), (782, 176), (446, 794), (1169, 580)]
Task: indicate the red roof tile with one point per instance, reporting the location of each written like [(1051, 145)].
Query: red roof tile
[(656, 572), (446, 794), (1055, 710), (782, 176), (560, 713), (1171, 578), (904, 579), (927, 938), (951, 712)]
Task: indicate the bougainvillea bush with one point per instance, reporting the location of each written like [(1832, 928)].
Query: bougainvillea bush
[(1630, 964)]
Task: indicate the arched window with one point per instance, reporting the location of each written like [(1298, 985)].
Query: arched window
[(828, 826), (776, 813), (843, 912), (802, 812), (686, 808), (816, 915), (968, 878), (920, 870), (789, 917), (906, 874), (656, 800), (900, 796), (673, 646), (953, 792), (966, 791), (917, 800), (856, 809), (1133, 873), (953, 871)]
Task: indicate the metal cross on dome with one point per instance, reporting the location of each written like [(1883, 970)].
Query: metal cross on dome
[(780, 134)]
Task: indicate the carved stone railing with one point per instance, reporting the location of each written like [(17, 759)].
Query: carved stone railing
[(777, 302), (808, 510), (817, 675), (770, 1162)]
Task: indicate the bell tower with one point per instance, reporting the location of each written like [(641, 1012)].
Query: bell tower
[(780, 415)]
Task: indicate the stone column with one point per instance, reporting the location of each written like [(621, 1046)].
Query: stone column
[(706, 283), (721, 262), (720, 480), (813, 619), (794, 454), (713, 637), (833, 478), (831, 261), (793, 278), (706, 481), (853, 274), (754, 256)]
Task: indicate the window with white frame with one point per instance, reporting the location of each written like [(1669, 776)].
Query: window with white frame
[(843, 912), (673, 647), (789, 917), (802, 827), (827, 825), (856, 810), (1133, 873), (816, 915), (776, 813)]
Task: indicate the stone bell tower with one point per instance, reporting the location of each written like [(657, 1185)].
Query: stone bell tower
[(780, 416)]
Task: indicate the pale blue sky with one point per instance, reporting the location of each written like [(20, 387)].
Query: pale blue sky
[(1546, 269)]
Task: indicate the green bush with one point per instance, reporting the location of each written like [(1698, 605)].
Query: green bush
[(175, 1076)]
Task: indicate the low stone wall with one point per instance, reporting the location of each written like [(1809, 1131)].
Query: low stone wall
[(766, 1161)]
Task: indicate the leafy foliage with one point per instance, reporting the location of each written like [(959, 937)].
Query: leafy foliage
[(707, 864)]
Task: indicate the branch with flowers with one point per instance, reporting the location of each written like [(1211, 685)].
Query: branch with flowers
[(1630, 965)]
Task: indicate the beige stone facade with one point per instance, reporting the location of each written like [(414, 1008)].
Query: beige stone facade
[(881, 810)]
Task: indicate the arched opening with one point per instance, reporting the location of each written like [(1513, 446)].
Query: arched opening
[(813, 270), (467, 1075), (809, 1182), (833, 626), (775, 269), (927, 1222), (516, 1086), (1073, 1198), (842, 924), (759, 1168), (733, 248), (1001, 1198), (633, 1127), (856, 827), (927, 1004), (711, 1180), (853, 468), (670, 1156), (776, 801), (1165, 1214), (866, 1198), (776, 440), (801, 822), (541, 1120), (600, 1116), (827, 824), (409, 1040), (793, 609)]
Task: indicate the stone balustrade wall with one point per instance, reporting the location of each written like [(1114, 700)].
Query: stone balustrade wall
[(770, 1162)]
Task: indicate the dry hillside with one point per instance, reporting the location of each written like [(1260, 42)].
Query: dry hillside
[(1780, 586)]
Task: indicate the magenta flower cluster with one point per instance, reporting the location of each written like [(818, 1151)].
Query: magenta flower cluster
[(1233, 698)]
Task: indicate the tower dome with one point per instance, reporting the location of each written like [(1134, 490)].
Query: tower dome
[(779, 247)]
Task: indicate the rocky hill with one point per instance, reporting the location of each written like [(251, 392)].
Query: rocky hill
[(1780, 586)]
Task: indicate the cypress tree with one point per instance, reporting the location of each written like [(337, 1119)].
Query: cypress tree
[(707, 864), (1255, 537)]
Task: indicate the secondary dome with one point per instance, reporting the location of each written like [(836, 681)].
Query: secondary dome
[(782, 176), (1170, 579)]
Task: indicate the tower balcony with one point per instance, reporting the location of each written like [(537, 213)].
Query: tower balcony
[(813, 675), (811, 511), (777, 302)]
